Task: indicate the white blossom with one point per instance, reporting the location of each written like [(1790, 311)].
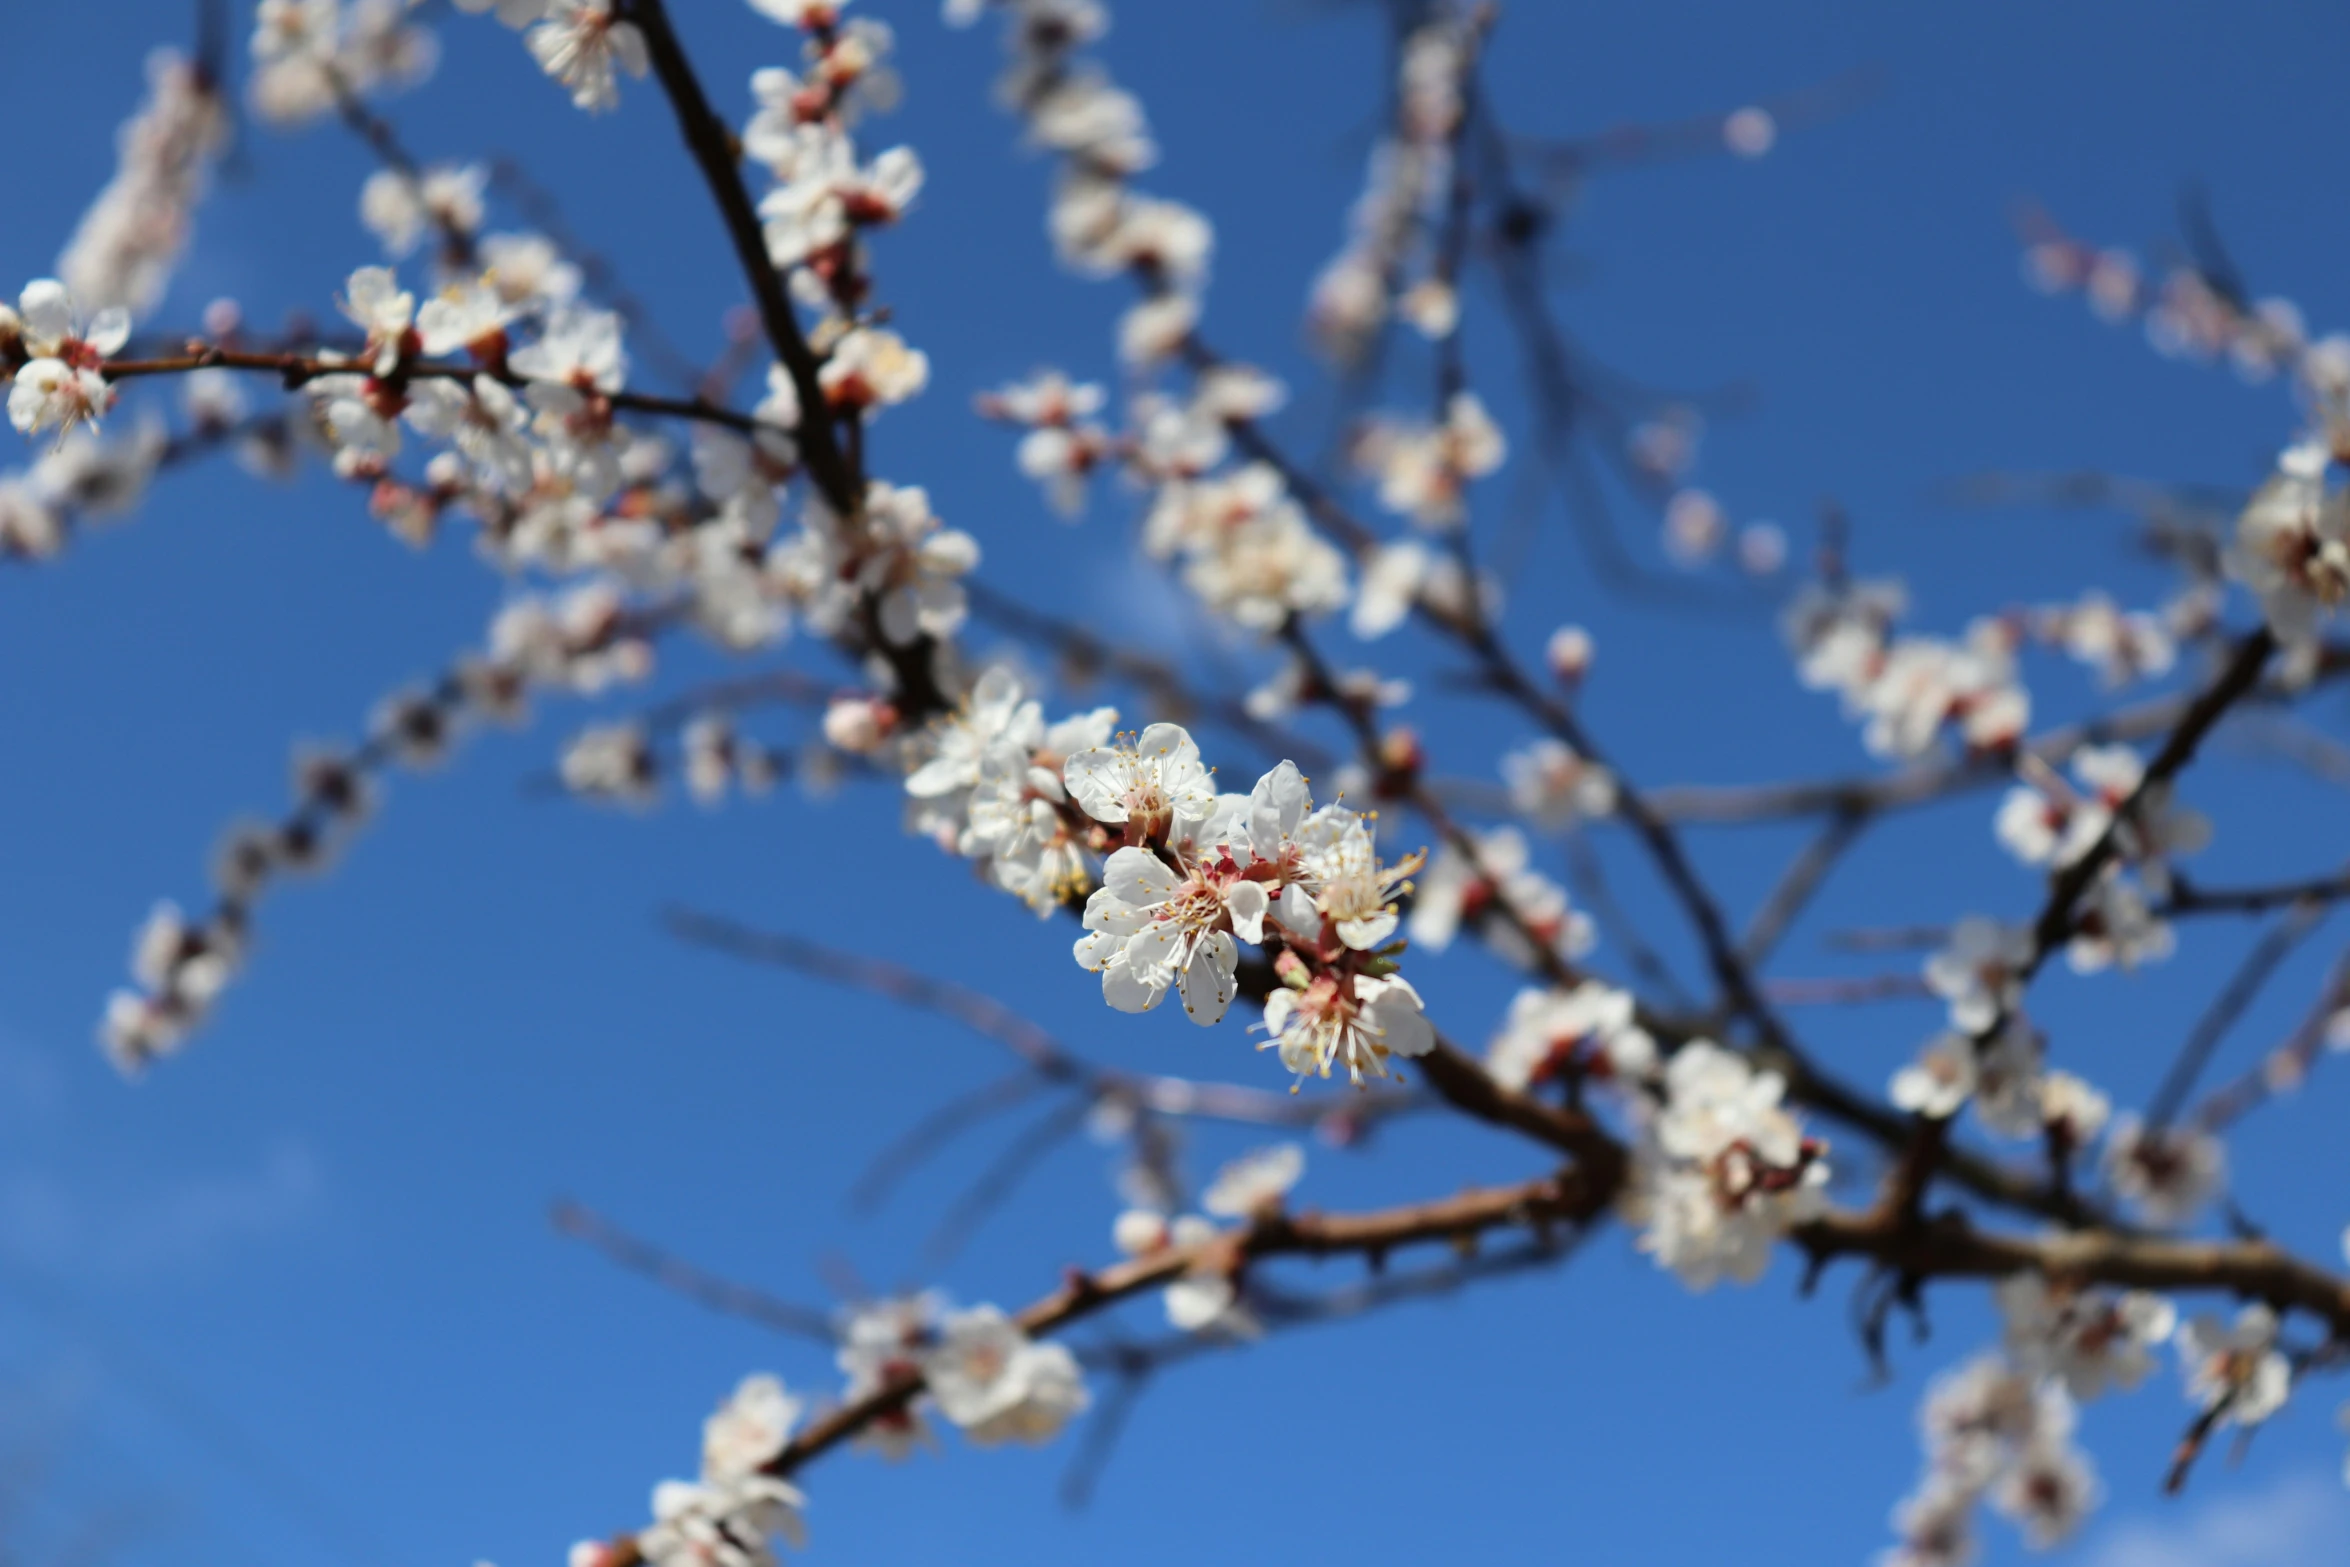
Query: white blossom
[(1424, 473), (873, 368), (2292, 546), (882, 1342), (1150, 927), (1461, 887), (1357, 1023), (1939, 1082), (1551, 784), (1254, 1182), (123, 251), (2235, 1368), (584, 46), (2047, 1490), (2167, 1174), (722, 1523), (748, 1430), (1979, 971), (996, 1383), (1147, 784)]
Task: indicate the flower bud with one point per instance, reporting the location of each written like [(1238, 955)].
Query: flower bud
[(1569, 654), (858, 724)]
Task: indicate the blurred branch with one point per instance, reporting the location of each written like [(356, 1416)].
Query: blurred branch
[(673, 1273), (2259, 965), (2284, 1068)]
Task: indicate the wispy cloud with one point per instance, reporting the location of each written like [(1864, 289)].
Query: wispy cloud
[(2300, 1521)]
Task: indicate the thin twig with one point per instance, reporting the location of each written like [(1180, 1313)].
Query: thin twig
[(698, 1285), (2258, 966)]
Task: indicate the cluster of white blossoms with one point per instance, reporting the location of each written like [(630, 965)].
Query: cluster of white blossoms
[(1064, 443), (1188, 876), (824, 196), (2184, 315), (2045, 821), (1100, 224), (2000, 1428), (2089, 1341), (1208, 1298), (1991, 1056), (1906, 689), (582, 640), (1568, 1035), (515, 385), (978, 1369), (401, 208), (1492, 887), (629, 762), (135, 231), (57, 358), (1998, 1433), (1722, 1170), (310, 55), (975, 1367), (80, 477), (2125, 646), (1248, 552), (2292, 541), (1199, 874), (731, 1516), (1247, 548), (988, 781), (1424, 470), (1663, 450), (1389, 264)]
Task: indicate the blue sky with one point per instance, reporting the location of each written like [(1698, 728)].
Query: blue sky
[(296, 1298)]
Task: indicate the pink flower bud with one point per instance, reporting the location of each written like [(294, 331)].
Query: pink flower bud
[(859, 724)]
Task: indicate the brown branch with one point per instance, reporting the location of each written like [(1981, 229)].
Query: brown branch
[(2235, 681), (717, 155), (2188, 899), (1948, 1247), (1887, 1234), (297, 370), (1556, 1200)]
